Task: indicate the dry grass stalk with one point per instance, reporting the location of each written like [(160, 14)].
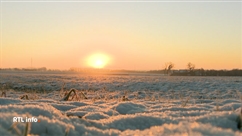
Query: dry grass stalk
[(13, 127), (62, 90), (3, 91), (27, 129), (3, 94), (67, 95), (185, 103), (124, 98), (239, 120), (25, 96), (98, 96), (73, 90), (67, 131), (82, 95), (153, 97)]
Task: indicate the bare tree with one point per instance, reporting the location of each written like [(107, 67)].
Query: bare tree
[(190, 67), (168, 67)]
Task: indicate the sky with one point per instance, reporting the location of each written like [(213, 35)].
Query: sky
[(121, 35)]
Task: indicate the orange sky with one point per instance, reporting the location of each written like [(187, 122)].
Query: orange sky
[(132, 35)]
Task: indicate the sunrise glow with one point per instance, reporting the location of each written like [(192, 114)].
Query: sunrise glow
[(139, 35), (98, 60)]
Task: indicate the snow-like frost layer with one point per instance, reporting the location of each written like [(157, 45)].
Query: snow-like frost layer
[(134, 122), (129, 108), (96, 116), (63, 107), (6, 101), (35, 110), (183, 128), (158, 105)]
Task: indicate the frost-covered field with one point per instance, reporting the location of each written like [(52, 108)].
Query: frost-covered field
[(119, 104)]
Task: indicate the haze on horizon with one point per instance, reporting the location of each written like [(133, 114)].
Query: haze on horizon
[(126, 35)]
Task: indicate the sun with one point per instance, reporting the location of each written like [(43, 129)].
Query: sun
[(98, 60), (98, 64)]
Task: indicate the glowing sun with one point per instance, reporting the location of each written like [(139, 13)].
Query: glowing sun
[(98, 60)]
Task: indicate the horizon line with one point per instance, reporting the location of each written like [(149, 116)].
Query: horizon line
[(29, 68), (119, 1)]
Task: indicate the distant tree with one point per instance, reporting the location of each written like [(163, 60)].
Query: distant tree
[(202, 72), (190, 66), (168, 67)]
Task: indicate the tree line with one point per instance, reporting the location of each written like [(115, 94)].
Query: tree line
[(168, 69), (192, 71)]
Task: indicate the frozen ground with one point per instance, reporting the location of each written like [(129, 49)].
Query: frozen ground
[(120, 105)]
